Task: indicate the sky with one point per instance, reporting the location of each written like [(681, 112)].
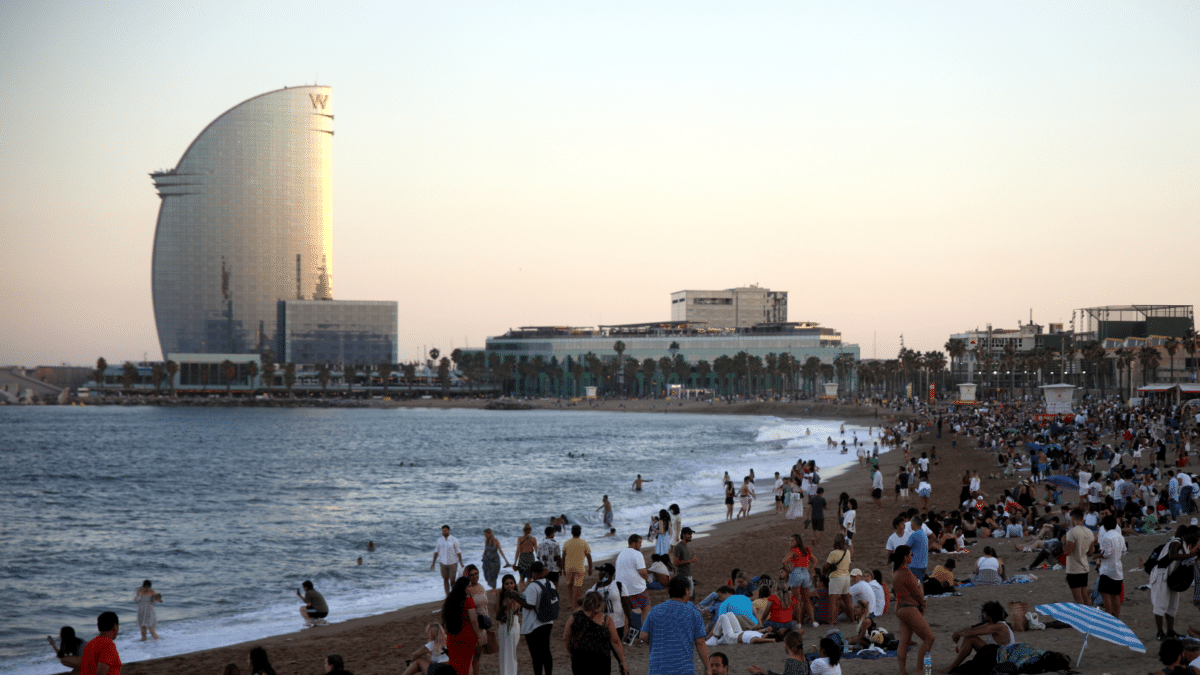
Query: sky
[(900, 169)]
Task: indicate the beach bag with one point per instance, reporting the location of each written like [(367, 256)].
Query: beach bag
[(492, 644), (547, 607), (831, 567), (1152, 559), (1016, 615), (1181, 579)]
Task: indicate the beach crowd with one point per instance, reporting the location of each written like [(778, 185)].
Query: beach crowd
[(1068, 493)]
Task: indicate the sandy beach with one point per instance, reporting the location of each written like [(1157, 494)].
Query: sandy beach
[(380, 644)]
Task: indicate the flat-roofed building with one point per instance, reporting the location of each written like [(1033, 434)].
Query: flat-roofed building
[(730, 308)]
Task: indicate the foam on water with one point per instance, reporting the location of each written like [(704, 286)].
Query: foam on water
[(399, 507)]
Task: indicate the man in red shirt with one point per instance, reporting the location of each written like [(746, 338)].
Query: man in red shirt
[(100, 656)]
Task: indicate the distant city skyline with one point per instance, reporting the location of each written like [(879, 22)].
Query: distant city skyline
[(915, 170)]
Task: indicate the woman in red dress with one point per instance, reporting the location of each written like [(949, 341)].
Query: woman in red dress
[(461, 622)]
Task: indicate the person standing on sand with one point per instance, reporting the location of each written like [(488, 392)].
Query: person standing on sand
[(100, 656), (910, 603), (632, 575), (574, 552), (672, 629), (817, 504), (147, 620), (449, 555), (550, 555), (682, 558), (729, 495), (526, 553), (492, 552), (606, 506), (877, 489), (745, 496), (536, 632), (777, 492), (637, 483)]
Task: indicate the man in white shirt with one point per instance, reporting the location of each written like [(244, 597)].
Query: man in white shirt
[(848, 519), (860, 590), (877, 489), (777, 492), (879, 606), (449, 555), (1085, 478), (1112, 574), (631, 572), (974, 488), (900, 536)]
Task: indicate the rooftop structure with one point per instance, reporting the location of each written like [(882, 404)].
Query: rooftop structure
[(730, 308)]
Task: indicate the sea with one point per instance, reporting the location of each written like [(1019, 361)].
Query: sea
[(228, 510)]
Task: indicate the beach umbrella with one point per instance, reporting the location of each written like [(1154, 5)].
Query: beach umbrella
[(1064, 482), (1092, 621)]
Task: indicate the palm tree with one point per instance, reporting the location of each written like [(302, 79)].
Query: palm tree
[(385, 374), (324, 374), (682, 369), (1008, 358), (810, 371), (648, 368), (268, 375), (101, 366), (1124, 358), (444, 374), (1068, 353), (349, 373), (1191, 344), (754, 371), (129, 375), (703, 368), (1149, 358), (1095, 356), (723, 367), (410, 375), (1172, 345), (844, 365), (228, 371), (936, 363), (956, 348), (172, 370), (619, 348), (741, 366), (156, 376), (289, 377), (251, 373)]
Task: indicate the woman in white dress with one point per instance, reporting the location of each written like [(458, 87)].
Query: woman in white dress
[(795, 509), (676, 524), (507, 622), (147, 620)]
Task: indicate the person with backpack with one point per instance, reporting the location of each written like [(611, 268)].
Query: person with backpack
[(1164, 600), (541, 605)]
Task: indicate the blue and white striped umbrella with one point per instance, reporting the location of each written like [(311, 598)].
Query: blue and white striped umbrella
[(1092, 621)]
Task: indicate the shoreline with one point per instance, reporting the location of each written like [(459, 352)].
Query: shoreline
[(419, 614), (381, 643)]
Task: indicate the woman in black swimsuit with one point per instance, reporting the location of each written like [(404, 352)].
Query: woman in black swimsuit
[(729, 500)]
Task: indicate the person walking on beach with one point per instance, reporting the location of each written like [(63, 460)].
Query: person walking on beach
[(550, 555), (575, 551), (606, 506), (536, 631), (672, 630), (492, 552), (526, 553), (877, 488), (449, 555), (460, 618), (682, 558), (314, 609), (100, 656), (730, 493), (746, 495), (777, 492), (508, 624), (589, 636), (147, 620), (817, 504)]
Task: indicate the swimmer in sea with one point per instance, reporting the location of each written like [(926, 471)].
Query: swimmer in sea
[(637, 484)]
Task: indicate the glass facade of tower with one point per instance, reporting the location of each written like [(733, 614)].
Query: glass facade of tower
[(245, 223), (340, 332)]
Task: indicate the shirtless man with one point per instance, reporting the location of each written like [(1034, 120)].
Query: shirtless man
[(993, 631), (637, 484), (608, 512)]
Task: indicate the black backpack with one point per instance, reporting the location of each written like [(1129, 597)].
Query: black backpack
[(1152, 559), (547, 607)]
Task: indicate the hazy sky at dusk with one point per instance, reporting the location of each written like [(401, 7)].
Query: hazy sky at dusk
[(898, 168)]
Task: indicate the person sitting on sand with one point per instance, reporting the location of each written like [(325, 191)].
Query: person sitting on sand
[(796, 663), (866, 624), (336, 665), (728, 630), (992, 630), (989, 570), (69, 649), (432, 652), (259, 663)]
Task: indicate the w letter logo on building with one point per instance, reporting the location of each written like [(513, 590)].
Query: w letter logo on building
[(319, 99)]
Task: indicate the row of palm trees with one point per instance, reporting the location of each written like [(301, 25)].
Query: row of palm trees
[(1102, 365)]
